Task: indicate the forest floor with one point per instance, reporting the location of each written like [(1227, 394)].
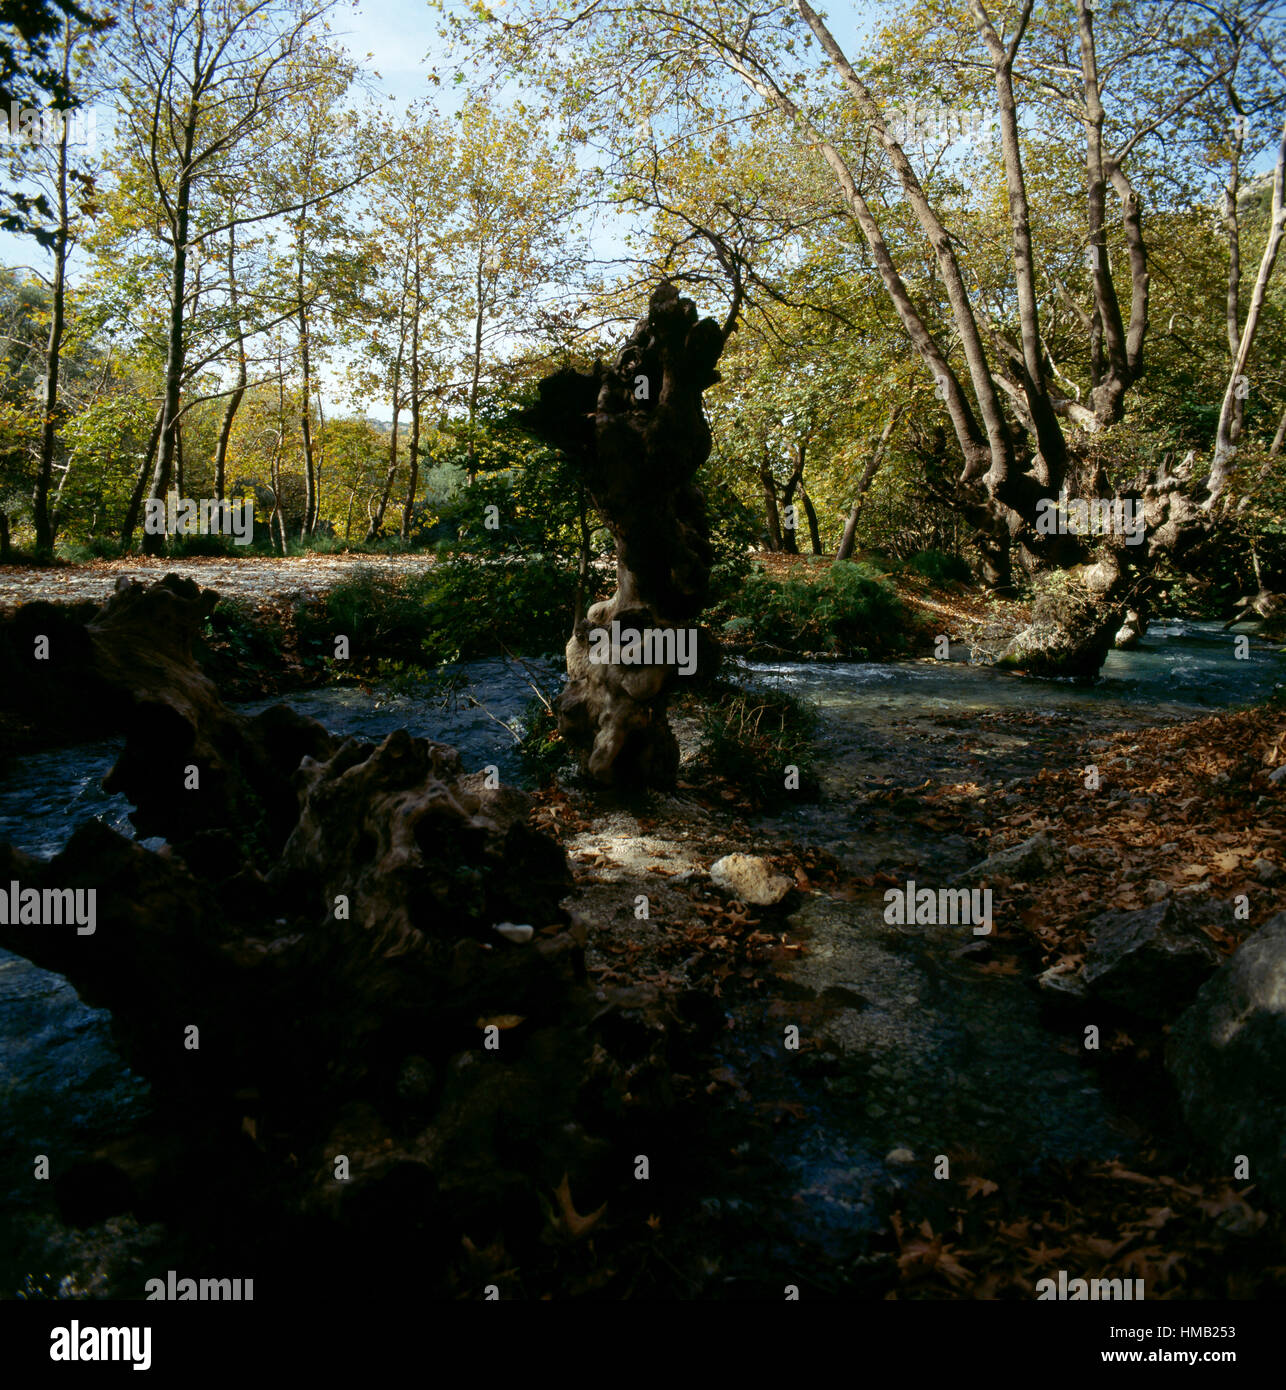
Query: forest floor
[(247, 577), (1060, 1158)]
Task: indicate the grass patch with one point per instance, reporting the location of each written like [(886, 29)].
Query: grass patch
[(541, 748), (751, 736)]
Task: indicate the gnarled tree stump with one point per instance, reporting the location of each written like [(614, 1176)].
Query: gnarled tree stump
[(638, 434)]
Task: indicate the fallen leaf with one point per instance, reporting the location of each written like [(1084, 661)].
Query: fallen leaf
[(501, 1021), (575, 1224)]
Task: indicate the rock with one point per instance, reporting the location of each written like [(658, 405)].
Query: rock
[(1041, 854), (1278, 775), (1132, 629), (899, 1158), (1153, 960), (330, 919), (1155, 889), (1070, 634), (1227, 1055), (1062, 986), (749, 879), (1265, 870)]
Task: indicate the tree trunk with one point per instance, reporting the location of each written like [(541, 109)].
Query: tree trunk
[(53, 351), (1279, 438), (174, 347), (305, 418), (378, 519), (789, 531), (1232, 225), (477, 370), (769, 484), (1226, 433), (997, 564), (140, 485), (413, 480), (847, 541), (233, 403), (320, 461), (814, 535), (582, 567), (637, 466), (4, 538)]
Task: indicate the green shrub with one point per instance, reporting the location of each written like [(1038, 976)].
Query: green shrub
[(939, 567), (203, 545), (849, 611), (750, 735), (541, 749), (461, 608), (73, 553)]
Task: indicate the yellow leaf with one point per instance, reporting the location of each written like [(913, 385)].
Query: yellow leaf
[(575, 1224)]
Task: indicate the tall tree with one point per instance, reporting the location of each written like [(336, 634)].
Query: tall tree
[(196, 85)]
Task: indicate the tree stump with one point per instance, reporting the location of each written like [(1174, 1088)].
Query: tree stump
[(637, 434)]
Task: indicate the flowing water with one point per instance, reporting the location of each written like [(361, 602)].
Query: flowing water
[(925, 1055)]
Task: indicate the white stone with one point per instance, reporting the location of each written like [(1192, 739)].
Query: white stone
[(749, 879)]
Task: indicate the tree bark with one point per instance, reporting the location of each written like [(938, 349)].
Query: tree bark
[(814, 534), (1226, 433), (477, 367), (233, 403), (848, 540), (140, 485), (175, 346), (377, 520), (414, 478), (1275, 448), (53, 352), (637, 460), (305, 417), (769, 485)]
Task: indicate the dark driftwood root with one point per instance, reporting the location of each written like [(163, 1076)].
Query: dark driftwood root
[(341, 966), (638, 434)]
